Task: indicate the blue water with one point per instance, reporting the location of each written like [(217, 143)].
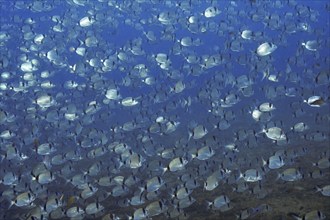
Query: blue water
[(118, 26)]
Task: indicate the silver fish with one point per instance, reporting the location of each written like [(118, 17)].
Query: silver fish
[(266, 49), (325, 190), (274, 162), (219, 201), (251, 175), (291, 174)]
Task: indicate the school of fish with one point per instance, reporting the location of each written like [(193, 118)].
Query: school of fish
[(163, 109)]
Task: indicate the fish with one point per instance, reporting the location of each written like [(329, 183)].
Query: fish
[(45, 101), (154, 184), (184, 203), (181, 193), (93, 208), (44, 177), (300, 127), (129, 101), (204, 153), (219, 201), (45, 149), (290, 175), (315, 214), (86, 21), (315, 101), (53, 202), (310, 45), (75, 211), (274, 133), (266, 107), (211, 12), (274, 162), (251, 175), (323, 163), (198, 132), (88, 192), (163, 109), (177, 164), (9, 178), (137, 200), (211, 182), (155, 208), (266, 49), (112, 94), (325, 190), (140, 213), (24, 199), (247, 34)]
